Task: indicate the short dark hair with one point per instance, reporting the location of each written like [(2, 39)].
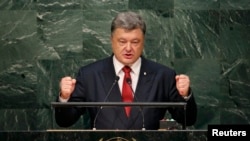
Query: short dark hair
[(128, 20)]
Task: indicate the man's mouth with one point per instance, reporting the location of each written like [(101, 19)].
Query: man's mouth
[(128, 56)]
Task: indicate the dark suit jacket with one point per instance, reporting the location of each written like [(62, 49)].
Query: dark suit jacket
[(156, 84)]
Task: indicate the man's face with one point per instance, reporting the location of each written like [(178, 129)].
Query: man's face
[(127, 45)]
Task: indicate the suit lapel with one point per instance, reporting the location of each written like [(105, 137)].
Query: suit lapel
[(108, 78), (145, 81)]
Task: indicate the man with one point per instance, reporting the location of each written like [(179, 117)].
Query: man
[(149, 81)]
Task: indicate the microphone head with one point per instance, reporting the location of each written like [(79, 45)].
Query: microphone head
[(129, 81), (117, 78)]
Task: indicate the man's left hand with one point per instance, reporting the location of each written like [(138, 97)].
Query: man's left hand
[(182, 84)]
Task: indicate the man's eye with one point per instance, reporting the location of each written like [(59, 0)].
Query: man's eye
[(122, 42), (135, 42)]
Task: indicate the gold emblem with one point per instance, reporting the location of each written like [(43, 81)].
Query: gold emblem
[(117, 139)]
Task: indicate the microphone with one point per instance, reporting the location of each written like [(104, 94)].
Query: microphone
[(129, 81), (105, 99)]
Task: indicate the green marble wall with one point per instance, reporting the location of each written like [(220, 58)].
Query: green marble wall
[(43, 40)]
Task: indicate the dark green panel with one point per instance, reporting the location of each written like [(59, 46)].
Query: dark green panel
[(235, 116), (18, 32), (18, 50), (196, 34), (25, 119), (113, 5), (159, 37), (18, 86), (197, 4), (18, 4), (62, 32), (235, 55), (234, 31), (96, 33), (235, 4), (161, 7), (51, 5), (236, 80)]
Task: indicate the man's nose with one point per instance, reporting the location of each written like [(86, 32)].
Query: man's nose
[(128, 46)]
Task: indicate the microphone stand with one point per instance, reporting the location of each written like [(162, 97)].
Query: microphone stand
[(129, 81), (105, 99)]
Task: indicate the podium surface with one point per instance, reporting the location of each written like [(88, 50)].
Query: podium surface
[(104, 135)]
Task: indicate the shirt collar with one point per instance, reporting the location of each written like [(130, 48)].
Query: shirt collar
[(135, 67)]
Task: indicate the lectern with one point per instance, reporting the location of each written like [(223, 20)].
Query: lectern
[(123, 135), (113, 104), (107, 135)]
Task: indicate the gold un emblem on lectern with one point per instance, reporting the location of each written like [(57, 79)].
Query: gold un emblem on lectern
[(117, 139)]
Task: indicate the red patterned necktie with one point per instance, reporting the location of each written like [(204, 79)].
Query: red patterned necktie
[(126, 89)]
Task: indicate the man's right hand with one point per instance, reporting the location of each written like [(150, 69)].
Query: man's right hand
[(67, 85)]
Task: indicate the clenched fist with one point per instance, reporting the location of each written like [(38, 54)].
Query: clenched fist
[(67, 85), (182, 84)]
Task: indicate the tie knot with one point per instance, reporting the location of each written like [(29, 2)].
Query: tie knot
[(126, 69)]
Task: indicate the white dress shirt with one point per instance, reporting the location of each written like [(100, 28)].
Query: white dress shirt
[(135, 70)]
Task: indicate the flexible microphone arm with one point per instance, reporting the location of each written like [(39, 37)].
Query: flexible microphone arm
[(105, 99), (129, 81)]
